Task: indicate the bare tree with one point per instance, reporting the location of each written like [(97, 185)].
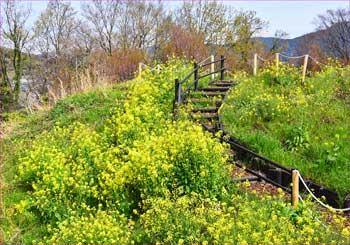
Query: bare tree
[(142, 25), (84, 39), (335, 36), (103, 17), (55, 35), (207, 17), (55, 28), (17, 35)]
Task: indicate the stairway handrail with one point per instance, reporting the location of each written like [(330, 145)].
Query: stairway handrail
[(180, 95)]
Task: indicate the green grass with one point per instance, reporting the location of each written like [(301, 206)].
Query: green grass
[(305, 127), (91, 108)]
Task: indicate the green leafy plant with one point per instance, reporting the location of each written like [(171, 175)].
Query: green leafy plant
[(297, 139)]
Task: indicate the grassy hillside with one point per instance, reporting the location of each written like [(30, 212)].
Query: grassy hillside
[(112, 166), (305, 127), (92, 108)]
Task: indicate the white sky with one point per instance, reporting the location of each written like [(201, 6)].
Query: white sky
[(294, 17)]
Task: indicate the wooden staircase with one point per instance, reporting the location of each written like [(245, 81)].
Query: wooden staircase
[(207, 105)]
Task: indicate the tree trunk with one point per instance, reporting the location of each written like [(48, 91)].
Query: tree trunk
[(17, 62), (5, 87)]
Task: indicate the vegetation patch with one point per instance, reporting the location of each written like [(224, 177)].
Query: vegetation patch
[(306, 127)]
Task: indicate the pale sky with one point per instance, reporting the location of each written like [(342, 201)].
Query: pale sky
[(294, 17)]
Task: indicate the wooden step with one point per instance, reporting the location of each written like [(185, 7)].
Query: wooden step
[(223, 81), (214, 89), (206, 109), (250, 178), (209, 127), (209, 116), (217, 102), (222, 94), (221, 84)]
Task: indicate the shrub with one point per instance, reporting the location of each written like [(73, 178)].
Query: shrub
[(99, 227)]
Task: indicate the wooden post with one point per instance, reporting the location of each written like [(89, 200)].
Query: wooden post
[(255, 64), (140, 69), (158, 68), (295, 188), (277, 58), (195, 69), (222, 67), (306, 58), (212, 67), (177, 91)]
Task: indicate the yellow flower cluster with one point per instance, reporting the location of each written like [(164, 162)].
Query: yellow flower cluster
[(242, 219), (284, 74), (98, 228)]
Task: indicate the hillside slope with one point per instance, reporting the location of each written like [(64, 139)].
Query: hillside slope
[(112, 166)]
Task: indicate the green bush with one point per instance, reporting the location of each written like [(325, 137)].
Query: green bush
[(94, 228)]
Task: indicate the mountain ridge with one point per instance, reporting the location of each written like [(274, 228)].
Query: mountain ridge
[(293, 43)]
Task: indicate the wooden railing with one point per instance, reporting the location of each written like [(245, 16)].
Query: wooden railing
[(180, 94)]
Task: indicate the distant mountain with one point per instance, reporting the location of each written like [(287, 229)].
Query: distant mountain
[(293, 43)]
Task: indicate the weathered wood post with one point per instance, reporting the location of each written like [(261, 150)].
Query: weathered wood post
[(212, 67), (177, 91), (195, 69), (222, 67), (140, 69), (277, 59), (306, 58), (295, 188), (255, 69)]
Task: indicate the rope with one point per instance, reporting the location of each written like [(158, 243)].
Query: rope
[(150, 68), (318, 220), (318, 200), (292, 57), (204, 60), (261, 58), (144, 65), (317, 62)]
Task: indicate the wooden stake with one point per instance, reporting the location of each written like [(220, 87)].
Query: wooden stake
[(255, 64), (306, 58), (140, 69), (295, 189), (212, 67), (222, 67), (277, 57)]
